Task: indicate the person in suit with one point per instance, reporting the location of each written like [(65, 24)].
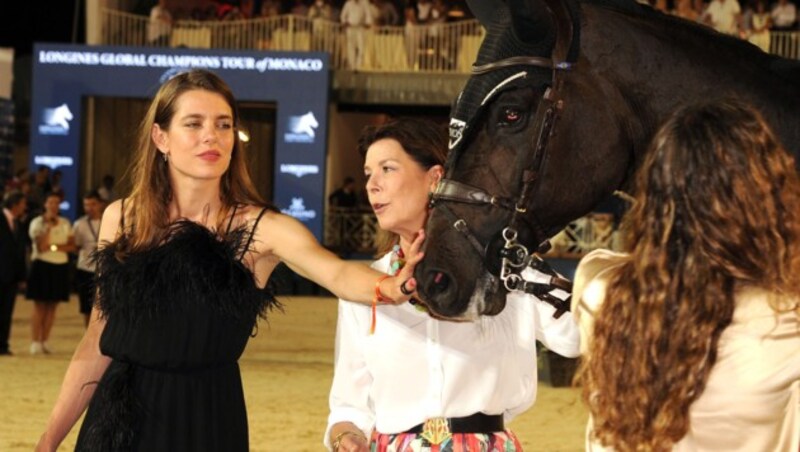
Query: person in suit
[(12, 261)]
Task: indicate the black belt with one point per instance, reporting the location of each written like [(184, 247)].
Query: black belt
[(475, 423)]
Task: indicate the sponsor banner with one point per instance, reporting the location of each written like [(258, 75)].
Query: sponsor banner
[(299, 170), (53, 161), (297, 82), (298, 210), (55, 120), (187, 60), (301, 128)]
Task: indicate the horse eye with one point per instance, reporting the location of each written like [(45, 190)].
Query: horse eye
[(510, 116)]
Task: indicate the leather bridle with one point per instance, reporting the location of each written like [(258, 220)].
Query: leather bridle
[(515, 256)]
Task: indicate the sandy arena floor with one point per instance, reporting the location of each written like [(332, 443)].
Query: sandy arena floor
[(286, 369)]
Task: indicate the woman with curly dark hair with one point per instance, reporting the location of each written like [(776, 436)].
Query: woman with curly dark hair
[(691, 338)]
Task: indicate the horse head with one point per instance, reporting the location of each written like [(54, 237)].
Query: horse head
[(505, 127), (563, 99)]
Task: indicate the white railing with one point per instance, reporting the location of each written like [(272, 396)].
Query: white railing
[(440, 48), (596, 230), (785, 44), (350, 230)]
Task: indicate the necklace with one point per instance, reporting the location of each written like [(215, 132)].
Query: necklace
[(396, 262)]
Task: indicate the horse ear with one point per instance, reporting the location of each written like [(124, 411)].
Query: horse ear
[(483, 10), (531, 20)]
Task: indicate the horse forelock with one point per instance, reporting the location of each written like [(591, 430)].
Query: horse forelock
[(501, 43)]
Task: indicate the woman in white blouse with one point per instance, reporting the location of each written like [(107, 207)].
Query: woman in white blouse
[(48, 281), (399, 387), (692, 338)]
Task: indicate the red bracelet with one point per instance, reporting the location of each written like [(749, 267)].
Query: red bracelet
[(379, 297)]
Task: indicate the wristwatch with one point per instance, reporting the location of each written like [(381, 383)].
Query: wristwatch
[(54, 247)]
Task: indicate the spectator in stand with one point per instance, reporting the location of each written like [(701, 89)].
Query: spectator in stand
[(86, 232), (247, 8), (685, 9), (270, 8), (321, 15), (345, 196), (12, 261), (413, 37), (106, 189), (229, 12), (424, 11), (356, 17), (784, 16), (723, 16), (48, 282), (320, 11), (387, 13), (760, 23), (299, 8), (160, 26)]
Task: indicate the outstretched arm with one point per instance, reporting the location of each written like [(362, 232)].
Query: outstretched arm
[(87, 366), (283, 236)]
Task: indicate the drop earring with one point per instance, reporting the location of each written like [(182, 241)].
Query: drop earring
[(166, 157)]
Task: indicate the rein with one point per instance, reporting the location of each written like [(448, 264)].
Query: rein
[(514, 256)]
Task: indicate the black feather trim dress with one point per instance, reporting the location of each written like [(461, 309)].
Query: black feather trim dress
[(178, 318)]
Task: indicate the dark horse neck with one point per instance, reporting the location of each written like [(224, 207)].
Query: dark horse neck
[(658, 62)]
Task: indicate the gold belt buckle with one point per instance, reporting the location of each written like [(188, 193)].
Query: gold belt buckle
[(436, 430)]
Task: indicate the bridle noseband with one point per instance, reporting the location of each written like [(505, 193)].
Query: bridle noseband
[(515, 256)]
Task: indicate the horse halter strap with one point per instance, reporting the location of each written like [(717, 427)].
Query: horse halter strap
[(514, 255)]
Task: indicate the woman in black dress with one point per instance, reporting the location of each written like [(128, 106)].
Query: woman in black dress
[(182, 271)]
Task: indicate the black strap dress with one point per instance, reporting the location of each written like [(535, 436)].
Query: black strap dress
[(178, 318)]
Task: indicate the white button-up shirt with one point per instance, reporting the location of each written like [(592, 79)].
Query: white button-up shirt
[(415, 367)]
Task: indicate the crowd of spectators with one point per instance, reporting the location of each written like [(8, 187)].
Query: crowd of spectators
[(355, 17), (751, 19), (41, 249), (381, 12)]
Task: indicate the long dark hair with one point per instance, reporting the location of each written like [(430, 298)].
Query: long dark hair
[(147, 205), (717, 205)]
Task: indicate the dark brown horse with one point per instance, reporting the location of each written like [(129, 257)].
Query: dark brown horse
[(563, 101)]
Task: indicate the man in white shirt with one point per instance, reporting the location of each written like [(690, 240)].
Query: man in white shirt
[(784, 15), (86, 231), (356, 17), (160, 25), (723, 16)]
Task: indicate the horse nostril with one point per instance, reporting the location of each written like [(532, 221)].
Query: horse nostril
[(441, 282)]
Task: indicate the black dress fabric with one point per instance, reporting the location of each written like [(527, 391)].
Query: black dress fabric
[(178, 318)]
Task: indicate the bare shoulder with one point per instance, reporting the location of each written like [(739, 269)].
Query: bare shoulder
[(252, 218), (275, 227), (109, 225), (259, 222)]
